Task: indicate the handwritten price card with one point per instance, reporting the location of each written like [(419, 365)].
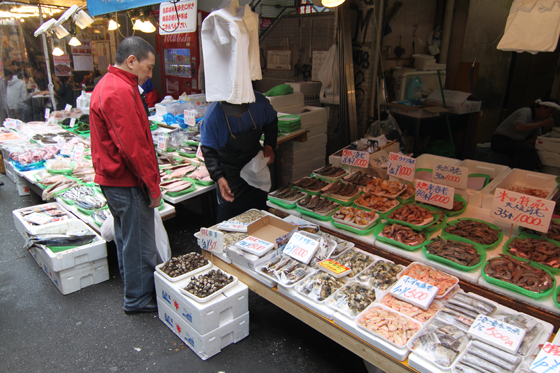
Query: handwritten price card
[(548, 359), (527, 211), (414, 292), (255, 245), (78, 153), (190, 118), (334, 268), (162, 142), (199, 153), (454, 176), (499, 334), (401, 166), (233, 226), (72, 122), (301, 247), (355, 158), (211, 240), (435, 194)]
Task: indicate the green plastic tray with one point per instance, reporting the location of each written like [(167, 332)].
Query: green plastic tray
[(355, 230), (413, 226), (57, 249), (308, 191), (161, 205), (381, 214), (485, 247), (282, 204), (460, 198), (487, 177), (451, 263), (177, 194), (518, 289), (555, 297), (377, 231), (536, 235), (407, 200), (436, 227), (344, 203), (317, 216), (60, 172), (153, 126), (183, 154), (203, 183), (505, 250), (192, 143)]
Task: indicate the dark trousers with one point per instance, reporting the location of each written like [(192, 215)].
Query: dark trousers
[(523, 155), (245, 197)]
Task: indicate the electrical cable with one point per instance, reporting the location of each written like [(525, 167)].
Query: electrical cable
[(174, 2)]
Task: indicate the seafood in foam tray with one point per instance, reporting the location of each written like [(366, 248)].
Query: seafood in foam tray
[(381, 204), (358, 178), (536, 249), (319, 286), (553, 231), (180, 265), (100, 215), (248, 216), (341, 244), (541, 193), (93, 202), (175, 186), (341, 189), (287, 193), (352, 299), (408, 192), (481, 357), (311, 184), (353, 215), (409, 310), (380, 275), (403, 234), (461, 253), (330, 171), (388, 324), (519, 273), (475, 231), (230, 238), (429, 275), (318, 205), (382, 187), (464, 303), (76, 238), (285, 270), (209, 283), (355, 260), (532, 327), (412, 214)]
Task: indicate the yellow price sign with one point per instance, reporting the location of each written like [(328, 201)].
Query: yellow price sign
[(333, 266)]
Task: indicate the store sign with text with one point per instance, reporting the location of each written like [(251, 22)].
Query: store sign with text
[(177, 18)]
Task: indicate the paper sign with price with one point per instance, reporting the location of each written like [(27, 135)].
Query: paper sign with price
[(449, 175), (72, 122), (334, 268), (548, 359), (47, 113), (67, 108), (414, 292), (67, 149), (162, 142), (233, 226), (190, 118), (255, 245), (78, 153), (301, 247), (19, 125), (199, 153), (211, 240), (499, 334), (355, 158), (435, 194), (524, 210), (401, 166)]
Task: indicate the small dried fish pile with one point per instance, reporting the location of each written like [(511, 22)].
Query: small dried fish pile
[(381, 204), (532, 327), (519, 273), (403, 234), (84, 172), (342, 189), (180, 265), (341, 244), (100, 215), (248, 216), (355, 260), (320, 286), (553, 231), (412, 214), (56, 185), (355, 216), (77, 193), (541, 193), (287, 193), (179, 171), (481, 357), (359, 178), (457, 206), (330, 171), (389, 325), (381, 275), (93, 202), (409, 310), (352, 299), (461, 253), (285, 270), (431, 276), (440, 342), (311, 184), (475, 231), (408, 192), (536, 249), (209, 283), (382, 187), (175, 185), (438, 216), (318, 204), (230, 238)]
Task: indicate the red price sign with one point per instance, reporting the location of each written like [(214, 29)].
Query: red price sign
[(435, 194), (355, 158), (527, 211), (401, 166)]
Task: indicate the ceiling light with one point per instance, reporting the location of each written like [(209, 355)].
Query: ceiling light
[(332, 3), (22, 20), (60, 32), (148, 27), (113, 25), (82, 19), (57, 52), (74, 42), (138, 24)]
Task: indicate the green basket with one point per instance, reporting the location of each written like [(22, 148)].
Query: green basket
[(436, 227), (506, 248), (282, 204), (317, 216), (60, 172), (344, 203), (485, 247), (381, 214), (183, 154), (192, 143), (487, 177), (308, 191), (460, 198), (407, 200), (279, 90), (555, 296), (377, 231), (357, 231), (160, 207), (542, 235), (451, 263), (183, 192), (153, 126), (203, 183), (518, 289), (413, 226)]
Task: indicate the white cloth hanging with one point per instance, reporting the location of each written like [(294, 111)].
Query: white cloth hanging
[(329, 77)]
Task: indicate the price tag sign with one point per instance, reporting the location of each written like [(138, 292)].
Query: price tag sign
[(233, 226), (499, 334), (72, 122), (524, 210), (301, 247), (60, 141), (379, 158), (67, 108), (435, 194), (414, 292), (401, 166), (19, 125), (199, 153), (162, 142), (255, 245), (355, 158), (10, 123), (334, 268), (78, 153), (454, 176), (211, 240), (67, 149), (548, 359), (47, 113), (190, 118)]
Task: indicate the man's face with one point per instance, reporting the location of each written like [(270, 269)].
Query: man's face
[(143, 70)]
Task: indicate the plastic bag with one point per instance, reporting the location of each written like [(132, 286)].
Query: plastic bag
[(329, 77), (256, 172), (108, 229), (162, 241)]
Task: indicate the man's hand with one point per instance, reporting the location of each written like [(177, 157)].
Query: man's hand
[(269, 152), (154, 203), (224, 189)]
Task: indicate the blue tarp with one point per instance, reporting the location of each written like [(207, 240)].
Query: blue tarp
[(99, 7)]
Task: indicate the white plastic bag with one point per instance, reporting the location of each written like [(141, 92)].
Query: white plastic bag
[(256, 172), (329, 77), (162, 241), (108, 229)]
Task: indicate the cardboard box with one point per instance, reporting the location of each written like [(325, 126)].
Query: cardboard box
[(549, 158), (457, 102), (271, 229), (548, 143)]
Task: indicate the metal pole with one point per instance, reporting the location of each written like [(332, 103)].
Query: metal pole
[(47, 61)]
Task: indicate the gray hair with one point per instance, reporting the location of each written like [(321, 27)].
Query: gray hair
[(135, 46)]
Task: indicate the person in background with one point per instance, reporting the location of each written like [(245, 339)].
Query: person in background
[(126, 167), (28, 110), (516, 135), (3, 99), (17, 94), (96, 77), (151, 93), (64, 93), (40, 79)]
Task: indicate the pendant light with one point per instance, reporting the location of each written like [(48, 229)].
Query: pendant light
[(328, 3), (148, 27), (138, 25), (57, 52), (113, 25), (74, 42)]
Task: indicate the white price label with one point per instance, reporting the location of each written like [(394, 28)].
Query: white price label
[(255, 245), (162, 142), (47, 113), (72, 122), (67, 108), (414, 292), (19, 125), (454, 176), (548, 359), (355, 158), (190, 117), (401, 166), (497, 333), (233, 226), (67, 149), (211, 240), (199, 153), (60, 141), (78, 153), (527, 211), (435, 194), (301, 247)]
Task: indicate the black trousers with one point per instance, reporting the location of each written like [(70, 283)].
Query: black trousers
[(523, 155)]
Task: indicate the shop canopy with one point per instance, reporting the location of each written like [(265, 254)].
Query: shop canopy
[(96, 7)]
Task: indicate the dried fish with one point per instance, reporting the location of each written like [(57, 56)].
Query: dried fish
[(412, 214), (475, 231), (536, 249), (461, 253), (553, 230), (318, 205), (519, 273), (311, 184), (472, 304), (330, 171), (403, 234)]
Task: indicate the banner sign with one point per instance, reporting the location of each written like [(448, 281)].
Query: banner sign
[(177, 18)]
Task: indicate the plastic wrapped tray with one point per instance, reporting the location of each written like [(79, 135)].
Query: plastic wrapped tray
[(364, 277), (459, 198), (182, 192), (424, 316), (382, 213), (308, 286), (485, 247), (418, 227), (327, 178), (287, 204), (339, 300), (362, 256), (213, 295), (278, 277), (358, 226), (451, 263), (506, 250), (378, 234), (313, 214), (453, 280), (360, 232)]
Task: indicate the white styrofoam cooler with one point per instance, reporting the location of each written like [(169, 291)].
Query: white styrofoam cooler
[(209, 344), (310, 90), (203, 317), (295, 172), (310, 115), (23, 226), (429, 160), (75, 278), (292, 101), (495, 171), (295, 158), (549, 158), (548, 142), (10, 172), (311, 141)]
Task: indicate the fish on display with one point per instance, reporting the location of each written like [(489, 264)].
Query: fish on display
[(76, 238)]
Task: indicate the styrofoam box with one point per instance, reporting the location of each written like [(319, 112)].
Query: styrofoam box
[(311, 141), (429, 160), (23, 226), (293, 99), (75, 278), (295, 158), (203, 317), (549, 158), (209, 344), (303, 169), (316, 129), (495, 171), (10, 172), (548, 143), (62, 260), (310, 90), (21, 186), (311, 115), (551, 170)]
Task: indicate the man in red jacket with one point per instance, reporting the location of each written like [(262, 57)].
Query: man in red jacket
[(126, 168)]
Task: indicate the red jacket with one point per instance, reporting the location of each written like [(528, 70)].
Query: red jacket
[(122, 149)]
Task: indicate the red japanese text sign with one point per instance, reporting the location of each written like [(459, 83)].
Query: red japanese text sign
[(355, 158), (401, 166), (435, 194), (522, 209)]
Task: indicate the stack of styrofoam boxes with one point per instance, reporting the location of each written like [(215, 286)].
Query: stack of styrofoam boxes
[(310, 91), (21, 184), (205, 327), (69, 270), (496, 172), (548, 147)]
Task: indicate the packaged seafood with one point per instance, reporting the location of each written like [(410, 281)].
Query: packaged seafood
[(341, 244), (358, 178), (352, 299), (533, 328), (59, 165), (429, 275), (378, 204), (287, 195), (466, 302), (35, 155), (341, 190), (248, 216), (91, 203), (326, 248), (355, 217), (408, 192), (402, 234), (389, 325), (44, 214), (385, 188), (77, 193), (381, 275), (285, 270), (455, 318), (331, 173), (310, 183), (356, 260), (178, 268), (466, 255), (481, 357), (538, 250), (320, 285), (413, 215), (410, 310), (553, 231), (475, 230), (100, 215), (318, 205), (440, 219)]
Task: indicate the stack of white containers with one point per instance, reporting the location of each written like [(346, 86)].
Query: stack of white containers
[(548, 147), (205, 327)]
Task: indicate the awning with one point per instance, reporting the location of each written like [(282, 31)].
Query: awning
[(97, 7)]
